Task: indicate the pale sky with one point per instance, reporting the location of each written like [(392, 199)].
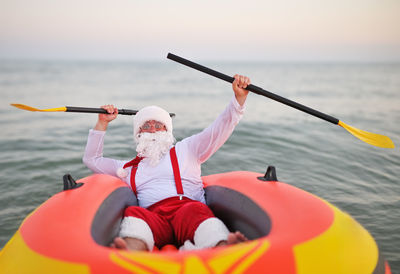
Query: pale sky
[(265, 30)]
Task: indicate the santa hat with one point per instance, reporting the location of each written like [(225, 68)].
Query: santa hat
[(151, 113)]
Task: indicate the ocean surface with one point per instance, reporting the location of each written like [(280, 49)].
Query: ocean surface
[(37, 149)]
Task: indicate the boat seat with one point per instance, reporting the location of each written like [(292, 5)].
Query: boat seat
[(107, 221), (238, 212)]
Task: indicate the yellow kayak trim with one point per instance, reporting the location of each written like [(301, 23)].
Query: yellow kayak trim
[(329, 253), (33, 262)]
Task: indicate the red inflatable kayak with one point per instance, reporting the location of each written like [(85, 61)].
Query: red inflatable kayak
[(290, 231)]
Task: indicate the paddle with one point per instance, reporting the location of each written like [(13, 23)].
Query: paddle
[(368, 137), (79, 109)]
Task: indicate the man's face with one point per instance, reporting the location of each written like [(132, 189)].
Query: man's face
[(154, 141), (152, 126)]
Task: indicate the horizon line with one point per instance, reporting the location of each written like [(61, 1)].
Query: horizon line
[(213, 60)]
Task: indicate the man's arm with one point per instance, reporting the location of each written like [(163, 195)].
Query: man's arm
[(104, 119), (238, 86), (207, 142), (93, 156)]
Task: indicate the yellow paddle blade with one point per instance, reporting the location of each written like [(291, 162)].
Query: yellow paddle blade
[(368, 137), (25, 107)]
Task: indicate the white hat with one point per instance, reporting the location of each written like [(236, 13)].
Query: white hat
[(151, 113)]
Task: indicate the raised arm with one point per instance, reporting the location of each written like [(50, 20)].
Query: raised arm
[(104, 119), (238, 86), (207, 142), (93, 156)]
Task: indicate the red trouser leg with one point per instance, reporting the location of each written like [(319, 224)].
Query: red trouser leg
[(160, 227), (187, 218), (172, 217)]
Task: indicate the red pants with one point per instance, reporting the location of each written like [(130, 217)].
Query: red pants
[(172, 221)]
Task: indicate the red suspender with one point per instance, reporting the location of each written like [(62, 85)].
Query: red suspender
[(175, 167), (134, 164), (133, 184), (177, 174)]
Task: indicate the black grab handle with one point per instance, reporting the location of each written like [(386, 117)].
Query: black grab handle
[(69, 182)]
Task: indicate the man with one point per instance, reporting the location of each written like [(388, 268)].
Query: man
[(167, 179)]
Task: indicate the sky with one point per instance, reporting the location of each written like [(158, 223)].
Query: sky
[(251, 30)]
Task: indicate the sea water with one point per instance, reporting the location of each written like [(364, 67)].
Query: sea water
[(37, 149)]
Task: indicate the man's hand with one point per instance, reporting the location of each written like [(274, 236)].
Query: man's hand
[(104, 119), (239, 85)]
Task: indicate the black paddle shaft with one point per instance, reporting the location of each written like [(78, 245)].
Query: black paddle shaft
[(101, 110), (254, 89)]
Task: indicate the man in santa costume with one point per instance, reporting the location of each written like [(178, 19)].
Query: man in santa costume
[(167, 179)]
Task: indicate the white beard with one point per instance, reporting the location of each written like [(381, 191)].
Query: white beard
[(153, 146)]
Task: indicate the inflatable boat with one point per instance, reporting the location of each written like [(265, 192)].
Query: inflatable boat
[(289, 231)]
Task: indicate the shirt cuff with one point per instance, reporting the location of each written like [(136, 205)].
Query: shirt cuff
[(96, 132), (240, 109)]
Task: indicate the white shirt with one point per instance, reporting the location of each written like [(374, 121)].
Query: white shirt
[(154, 184)]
